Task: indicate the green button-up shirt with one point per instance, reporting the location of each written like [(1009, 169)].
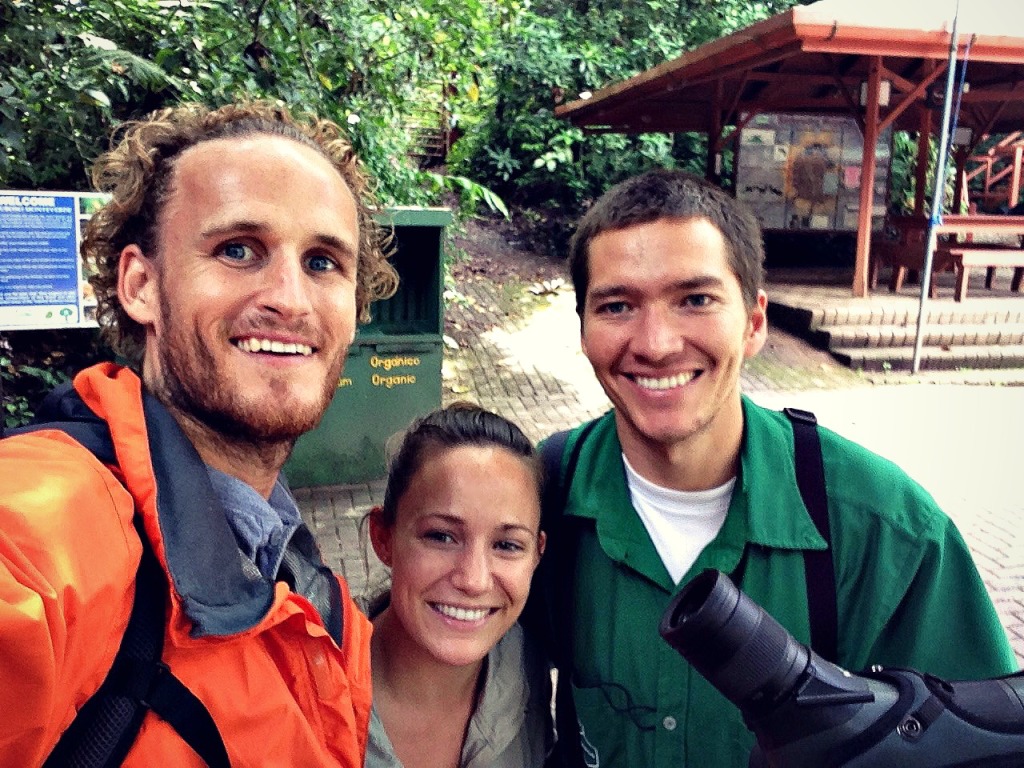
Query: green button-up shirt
[(908, 593)]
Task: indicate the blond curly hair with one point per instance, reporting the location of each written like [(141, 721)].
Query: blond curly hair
[(137, 172)]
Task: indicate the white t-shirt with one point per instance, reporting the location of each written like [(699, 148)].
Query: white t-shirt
[(680, 523)]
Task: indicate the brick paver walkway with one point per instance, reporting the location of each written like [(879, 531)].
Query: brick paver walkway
[(961, 442)]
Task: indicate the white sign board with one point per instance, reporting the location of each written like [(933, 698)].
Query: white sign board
[(43, 283)]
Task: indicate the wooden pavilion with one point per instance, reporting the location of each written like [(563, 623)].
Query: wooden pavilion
[(883, 62)]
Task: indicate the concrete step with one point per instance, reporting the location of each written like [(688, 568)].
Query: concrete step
[(932, 357), (794, 317), (958, 335)]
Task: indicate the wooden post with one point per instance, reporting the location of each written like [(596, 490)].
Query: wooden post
[(1018, 155), (960, 155), (867, 181), (711, 169)]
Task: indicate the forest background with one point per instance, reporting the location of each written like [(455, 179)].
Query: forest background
[(445, 100)]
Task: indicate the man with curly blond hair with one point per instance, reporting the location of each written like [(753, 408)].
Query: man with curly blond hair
[(232, 263)]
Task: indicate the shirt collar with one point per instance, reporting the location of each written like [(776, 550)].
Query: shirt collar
[(766, 507), (604, 497), (262, 526)]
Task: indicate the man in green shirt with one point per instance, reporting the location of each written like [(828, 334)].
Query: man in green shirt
[(685, 473)]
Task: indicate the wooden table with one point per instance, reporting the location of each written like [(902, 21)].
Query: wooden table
[(967, 251), (957, 249)]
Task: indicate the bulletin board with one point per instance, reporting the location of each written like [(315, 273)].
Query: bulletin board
[(803, 172)]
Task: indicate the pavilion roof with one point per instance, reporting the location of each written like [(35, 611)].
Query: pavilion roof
[(813, 59)]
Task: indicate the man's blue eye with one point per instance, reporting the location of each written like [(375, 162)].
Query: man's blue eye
[(612, 308), (237, 252), (320, 264), (698, 300)]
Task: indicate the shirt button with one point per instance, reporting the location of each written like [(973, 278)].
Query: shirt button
[(669, 723)]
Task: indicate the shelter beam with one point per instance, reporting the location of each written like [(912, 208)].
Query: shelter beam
[(711, 168), (867, 181), (851, 102), (1018, 157), (916, 93)]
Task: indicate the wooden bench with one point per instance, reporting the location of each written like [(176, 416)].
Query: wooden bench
[(966, 255)]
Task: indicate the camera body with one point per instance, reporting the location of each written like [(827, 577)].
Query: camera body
[(806, 712)]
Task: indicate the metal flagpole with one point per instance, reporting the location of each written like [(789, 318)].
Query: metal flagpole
[(938, 195)]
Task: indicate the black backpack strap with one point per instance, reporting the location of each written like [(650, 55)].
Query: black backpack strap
[(568, 751), (108, 723), (563, 538), (551, 453), (821, 575)]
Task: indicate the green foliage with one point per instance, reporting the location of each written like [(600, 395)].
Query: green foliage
[(902, 182), (34, 362), (16, 409), (70, 70), (903, 175), (553, 51), (62, 80), (471, 195), (490, 70)]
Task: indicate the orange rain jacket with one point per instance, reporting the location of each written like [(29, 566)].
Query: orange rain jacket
[(284, 685)]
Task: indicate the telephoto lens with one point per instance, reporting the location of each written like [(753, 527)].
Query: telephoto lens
[(806, 712), (794, 701), (733, 642)]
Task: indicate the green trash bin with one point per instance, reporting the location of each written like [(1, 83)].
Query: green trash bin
[(393, 371)]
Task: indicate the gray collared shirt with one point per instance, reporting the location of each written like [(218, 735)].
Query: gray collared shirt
[(261, 526)]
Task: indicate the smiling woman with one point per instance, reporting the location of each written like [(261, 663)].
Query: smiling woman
[(456, 684)]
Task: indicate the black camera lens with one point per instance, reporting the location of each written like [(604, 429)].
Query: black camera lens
[(733, 642)]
